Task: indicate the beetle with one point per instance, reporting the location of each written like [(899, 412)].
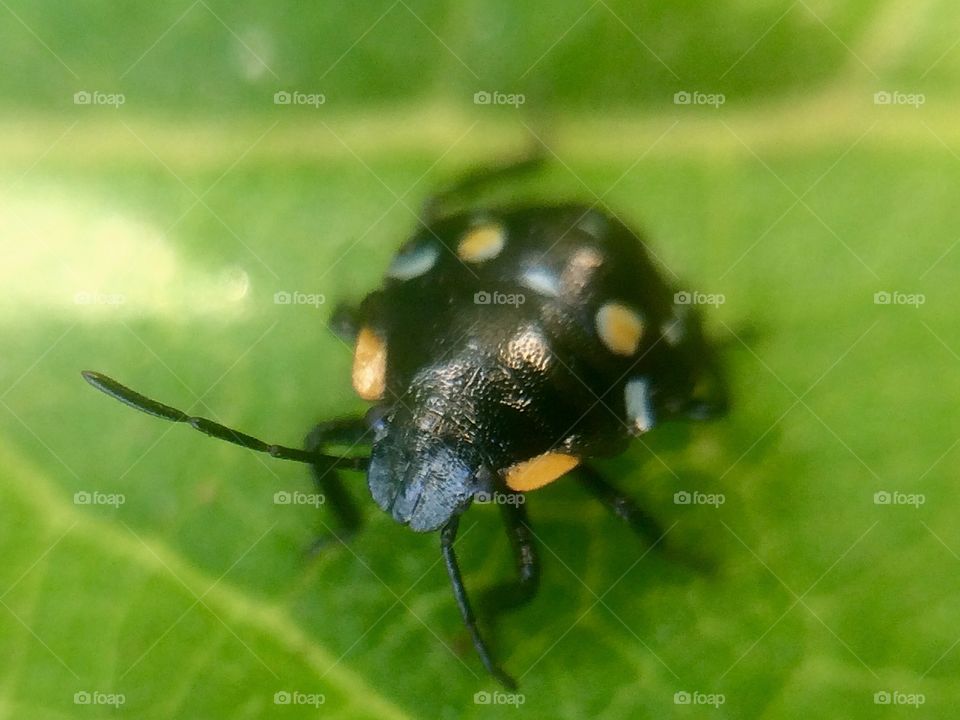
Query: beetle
[(505, 348)]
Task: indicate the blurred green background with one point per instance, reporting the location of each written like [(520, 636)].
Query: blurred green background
[(147, 225)]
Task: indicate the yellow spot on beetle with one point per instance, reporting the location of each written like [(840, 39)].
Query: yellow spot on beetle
[(620, 328), (370, 365), (539, 471), (483, 242)]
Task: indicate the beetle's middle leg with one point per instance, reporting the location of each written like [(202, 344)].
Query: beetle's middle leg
[(512, 594)]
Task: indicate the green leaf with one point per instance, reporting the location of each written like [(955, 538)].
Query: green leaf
[(144, 561)]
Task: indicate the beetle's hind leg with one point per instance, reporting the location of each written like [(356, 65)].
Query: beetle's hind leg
[(621, 505), (512, 594), (329, 480), (641, 522)]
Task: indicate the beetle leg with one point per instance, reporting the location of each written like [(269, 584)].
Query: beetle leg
[(714, 402), (623, 506), (447, 536), (329, 481), (712, 399), (643, 524), (513, 594)]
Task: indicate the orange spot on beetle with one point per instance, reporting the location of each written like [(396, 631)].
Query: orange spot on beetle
[(539, 471), (370, 365)]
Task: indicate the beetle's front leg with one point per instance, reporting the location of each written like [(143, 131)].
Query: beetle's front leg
[(447, 536)]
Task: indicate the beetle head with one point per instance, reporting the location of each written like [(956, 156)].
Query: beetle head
[(420, 476)]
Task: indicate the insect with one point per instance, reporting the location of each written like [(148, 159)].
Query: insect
[(505, 349)]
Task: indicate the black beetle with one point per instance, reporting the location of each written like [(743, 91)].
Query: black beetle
[(505, 349)]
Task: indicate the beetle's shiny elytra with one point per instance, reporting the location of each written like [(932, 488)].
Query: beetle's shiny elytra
[(530, 333)]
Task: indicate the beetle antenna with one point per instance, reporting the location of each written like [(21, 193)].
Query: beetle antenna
[(151, 407)]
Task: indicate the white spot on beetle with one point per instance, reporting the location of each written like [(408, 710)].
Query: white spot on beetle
[(416, 261), (673, 331), (620, 328), (581, 268), (637, 399), (541, 281)]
